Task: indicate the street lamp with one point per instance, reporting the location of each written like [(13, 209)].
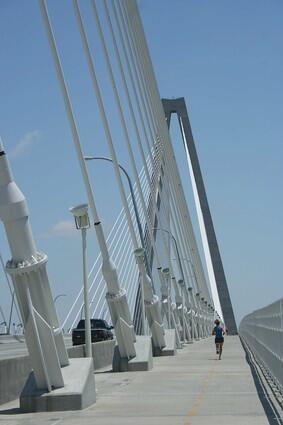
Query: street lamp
[(80, 213), (176, 246), (180, 281), (136, 211), (190, 290), (166, 274), (82, 309), (182, 285), (199, 326), (137, 216), (58, 296)]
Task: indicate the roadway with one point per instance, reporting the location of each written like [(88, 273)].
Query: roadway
[(15, 346), (193, 388)]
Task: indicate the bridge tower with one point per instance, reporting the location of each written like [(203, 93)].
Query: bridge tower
[(178, 106)]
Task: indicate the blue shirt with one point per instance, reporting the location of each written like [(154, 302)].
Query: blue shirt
[(218, 332)]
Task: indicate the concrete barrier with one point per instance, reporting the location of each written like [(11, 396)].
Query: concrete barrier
[(5, 339), (13, 375), (102, 353), (14, 372)]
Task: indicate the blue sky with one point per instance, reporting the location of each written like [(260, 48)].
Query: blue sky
[(226, 59)]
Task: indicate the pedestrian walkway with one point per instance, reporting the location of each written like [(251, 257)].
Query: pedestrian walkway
[(193, 388)]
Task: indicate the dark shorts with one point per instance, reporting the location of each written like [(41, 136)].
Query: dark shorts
[(218, 340)]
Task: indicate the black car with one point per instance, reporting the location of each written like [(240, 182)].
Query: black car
[(100, 331)]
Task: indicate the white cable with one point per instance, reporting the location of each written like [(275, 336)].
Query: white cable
[(74, 131), (104, 117)]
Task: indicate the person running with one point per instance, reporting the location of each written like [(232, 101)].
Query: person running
[(218, 331)]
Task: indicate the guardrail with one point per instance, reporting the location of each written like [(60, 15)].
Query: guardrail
[(262, 331)]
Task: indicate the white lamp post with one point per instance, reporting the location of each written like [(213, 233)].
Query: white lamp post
[(58, 296), (80, 213), (166, 273)]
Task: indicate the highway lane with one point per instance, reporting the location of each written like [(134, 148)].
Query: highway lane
[(11, 347)]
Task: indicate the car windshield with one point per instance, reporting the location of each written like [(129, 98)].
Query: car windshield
[(95, 323)]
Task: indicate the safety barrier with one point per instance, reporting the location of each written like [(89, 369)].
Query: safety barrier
[(262, 331), (14, 371)]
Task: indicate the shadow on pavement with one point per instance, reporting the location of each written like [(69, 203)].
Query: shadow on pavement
[(272, 414)]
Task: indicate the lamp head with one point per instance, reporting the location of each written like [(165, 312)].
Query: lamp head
[(80, 213)]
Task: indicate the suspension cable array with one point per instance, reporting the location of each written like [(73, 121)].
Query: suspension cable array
[(147, 266)]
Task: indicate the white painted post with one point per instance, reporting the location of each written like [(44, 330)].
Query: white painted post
[(80, 213), (88, 346), (166, 273)]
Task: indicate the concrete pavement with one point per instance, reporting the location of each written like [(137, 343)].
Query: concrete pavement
[(192, 388)]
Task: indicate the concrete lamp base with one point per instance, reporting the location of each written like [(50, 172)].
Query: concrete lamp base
[(77, 394), (143, 360), (170, 348)]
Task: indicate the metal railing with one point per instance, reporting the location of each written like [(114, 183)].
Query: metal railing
[(262, 331)]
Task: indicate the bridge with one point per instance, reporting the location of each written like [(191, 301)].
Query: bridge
[(149, 278)]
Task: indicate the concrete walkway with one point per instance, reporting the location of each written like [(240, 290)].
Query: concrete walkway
[(193, 388)]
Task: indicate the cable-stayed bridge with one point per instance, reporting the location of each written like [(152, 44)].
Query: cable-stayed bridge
[(148, 278)]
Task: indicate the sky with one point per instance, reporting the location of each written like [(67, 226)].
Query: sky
[(226, 59)]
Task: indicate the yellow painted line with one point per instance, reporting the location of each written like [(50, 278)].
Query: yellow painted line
[(200, 394)]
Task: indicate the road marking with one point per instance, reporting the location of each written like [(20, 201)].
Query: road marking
[(200, 394)]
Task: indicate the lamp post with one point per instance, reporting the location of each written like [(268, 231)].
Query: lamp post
[(58, 296), (190, 289), (136, 211), (82, 308), (166, 274), (177, 249), (199, 316), (180, 281), (137, 216), (182, 284), (80, 213)]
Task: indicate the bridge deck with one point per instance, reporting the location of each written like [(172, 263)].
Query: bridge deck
[(192, 388), (15, 346)]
